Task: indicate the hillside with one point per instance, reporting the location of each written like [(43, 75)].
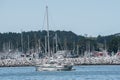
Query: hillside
[(66, 40)]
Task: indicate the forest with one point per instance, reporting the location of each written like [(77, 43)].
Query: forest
[(65, 39)]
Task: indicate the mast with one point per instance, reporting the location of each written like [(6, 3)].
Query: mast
[(48, 31), (105, 46), (89, 48), (53, 46), (56, 41), (39, 46), (22, 40), (77, 50), (9, 46), (28, 43), (45, 45), (74, 47), (105, 50), (65, 44)]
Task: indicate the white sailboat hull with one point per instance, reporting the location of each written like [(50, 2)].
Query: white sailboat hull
[(49, 67)]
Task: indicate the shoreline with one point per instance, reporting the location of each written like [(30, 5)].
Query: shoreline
[(74, 65), (24, 62)]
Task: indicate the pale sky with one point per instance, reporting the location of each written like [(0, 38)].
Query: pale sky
[(92, 17)]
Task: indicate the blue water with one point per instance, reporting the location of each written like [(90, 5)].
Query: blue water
[(99, 72)]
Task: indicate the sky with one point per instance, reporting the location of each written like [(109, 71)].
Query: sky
[(92, 17)]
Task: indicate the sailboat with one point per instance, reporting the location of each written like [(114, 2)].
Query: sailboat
[(52, 64)]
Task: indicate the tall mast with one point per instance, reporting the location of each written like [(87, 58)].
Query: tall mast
[(35, 37), (105, 45), (22, 40), (56, 41), (9, 46), (28, 43), (39, 46), (73, 46), (48, 31), (45, 45), (53, 46), (77, 50), (65, 44)]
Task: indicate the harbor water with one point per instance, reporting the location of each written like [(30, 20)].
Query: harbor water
[(87, 72)]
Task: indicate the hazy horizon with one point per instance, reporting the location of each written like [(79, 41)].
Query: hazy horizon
[(90, 17)]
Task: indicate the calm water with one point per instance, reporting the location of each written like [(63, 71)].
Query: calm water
[(100, 72)]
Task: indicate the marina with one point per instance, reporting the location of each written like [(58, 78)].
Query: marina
[(80, 40), (40, 55)]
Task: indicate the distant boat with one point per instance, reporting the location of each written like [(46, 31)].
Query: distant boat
[(54, 65)]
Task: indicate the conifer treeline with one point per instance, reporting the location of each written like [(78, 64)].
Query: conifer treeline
[(13, 41)]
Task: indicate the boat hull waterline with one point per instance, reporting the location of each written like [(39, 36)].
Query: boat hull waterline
[(48, 67)]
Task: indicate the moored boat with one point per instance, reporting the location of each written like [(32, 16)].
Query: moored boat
[(54, 65)]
